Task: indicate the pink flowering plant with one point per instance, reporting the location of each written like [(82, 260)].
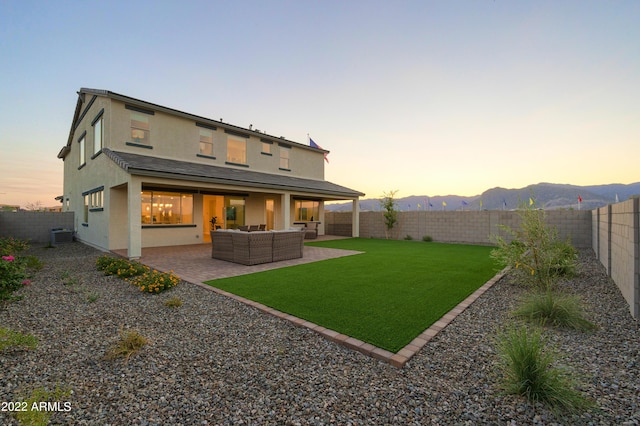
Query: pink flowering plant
[(13, 268)]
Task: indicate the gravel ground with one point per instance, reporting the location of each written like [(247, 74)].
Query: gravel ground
[(216, 361)]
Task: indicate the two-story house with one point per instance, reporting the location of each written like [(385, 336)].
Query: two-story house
[(138, 174)]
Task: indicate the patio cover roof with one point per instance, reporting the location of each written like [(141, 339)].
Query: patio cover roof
[(143, 165)]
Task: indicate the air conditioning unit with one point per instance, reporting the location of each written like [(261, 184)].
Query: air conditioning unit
[(61, 235)]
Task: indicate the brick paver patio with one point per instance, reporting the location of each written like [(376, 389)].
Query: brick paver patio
[(193, 263)]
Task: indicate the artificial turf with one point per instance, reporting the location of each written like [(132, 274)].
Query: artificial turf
[(385, 296)]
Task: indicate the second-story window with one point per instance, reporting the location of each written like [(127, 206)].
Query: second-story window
[(284, 157), (206, 142), (97, 136), (81, 143), (266, 148), (236, 150), (140, 129)]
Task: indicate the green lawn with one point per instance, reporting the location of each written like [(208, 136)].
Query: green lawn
[(385, 296)]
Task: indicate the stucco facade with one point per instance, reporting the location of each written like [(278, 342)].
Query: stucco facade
[(138, 174)]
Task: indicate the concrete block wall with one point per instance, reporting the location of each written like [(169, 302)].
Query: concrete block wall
[(618, 247), (472, 227), (33, 226)]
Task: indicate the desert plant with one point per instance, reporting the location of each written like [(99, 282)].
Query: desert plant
[(154, 281), (121, 267), (34, 413), (427, 238), (174, 302), (554, 309), (91, 297), (127, 344), (528, 370), (10, 339), (389, 211), (535, 253)]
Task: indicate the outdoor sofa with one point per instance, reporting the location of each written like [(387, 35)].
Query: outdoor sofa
[(252, 248)]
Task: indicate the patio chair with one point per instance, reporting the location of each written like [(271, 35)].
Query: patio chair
[(262, 227), (311, 231), (253, 228)]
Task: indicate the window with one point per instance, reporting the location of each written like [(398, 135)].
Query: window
[(140, 129), (233, 212), (284, 157), (98, 133), (166, 208), (85, 215), (81, 151), (206, 142), (236, 150), (266, 148), (96, 202), (307, 210)]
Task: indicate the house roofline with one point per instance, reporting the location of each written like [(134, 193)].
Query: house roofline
[(139, 165), (150, 105)]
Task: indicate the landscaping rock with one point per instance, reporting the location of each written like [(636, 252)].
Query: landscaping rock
[(216, 361)]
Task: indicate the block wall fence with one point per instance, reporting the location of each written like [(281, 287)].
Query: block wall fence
[(470, 227), (33, 226), (616, 242)]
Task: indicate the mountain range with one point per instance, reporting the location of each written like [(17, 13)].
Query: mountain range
[(544, 195)]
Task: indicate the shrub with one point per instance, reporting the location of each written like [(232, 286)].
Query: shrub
[(408, 237), (154, 281), (555, 309), (536, 254), (427, 239), (528, 370), (150, 281), (389, 212), (13, 275), (10, 339), (35, 416), (11, 246), (128, 344), (121, 267)]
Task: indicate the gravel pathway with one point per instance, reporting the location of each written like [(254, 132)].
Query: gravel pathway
[(215, 361)]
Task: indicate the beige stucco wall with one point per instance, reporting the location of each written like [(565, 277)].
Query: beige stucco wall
[(177, 137)]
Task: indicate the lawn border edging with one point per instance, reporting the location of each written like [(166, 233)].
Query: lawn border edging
[(398, 359)]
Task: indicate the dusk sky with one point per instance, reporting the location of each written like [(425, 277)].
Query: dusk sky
[(424, 97)]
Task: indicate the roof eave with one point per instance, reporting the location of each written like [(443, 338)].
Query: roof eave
[(205, 179)]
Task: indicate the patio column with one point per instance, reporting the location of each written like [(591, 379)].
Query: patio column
[(286, 210), (355, 220), (134, 213)]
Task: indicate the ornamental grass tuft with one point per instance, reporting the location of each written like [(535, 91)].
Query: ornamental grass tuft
[(528, 370), (554, 309), (129, 343)]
